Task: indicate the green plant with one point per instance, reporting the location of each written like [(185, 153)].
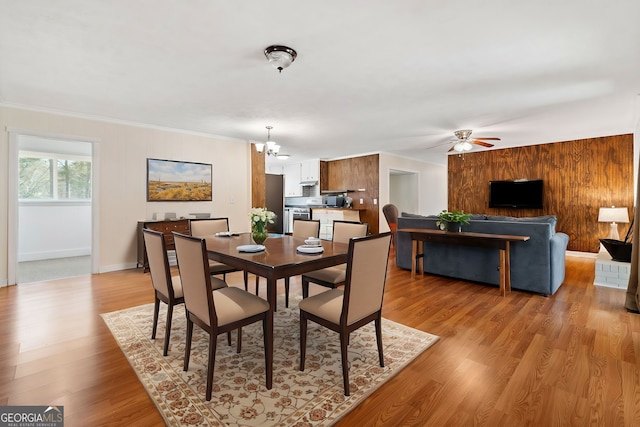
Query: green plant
[(446, 217)]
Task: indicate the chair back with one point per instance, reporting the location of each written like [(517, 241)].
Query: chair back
[(390, 212), (156, 248), (304, 228), (345, 230), (366, 276), (193, 264), (208, 227)]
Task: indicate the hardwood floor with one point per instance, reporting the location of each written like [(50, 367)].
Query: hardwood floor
[(522, 360)]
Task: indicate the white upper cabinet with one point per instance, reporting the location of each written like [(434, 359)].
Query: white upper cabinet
[(310, 170), (292, 174)]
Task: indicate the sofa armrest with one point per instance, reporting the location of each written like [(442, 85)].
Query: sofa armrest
[(558, 248)]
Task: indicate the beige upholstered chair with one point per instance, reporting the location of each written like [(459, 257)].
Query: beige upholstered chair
[(360, 302), (209, 227), (216, 312), (167, 288), (302, 229), (333, 277)]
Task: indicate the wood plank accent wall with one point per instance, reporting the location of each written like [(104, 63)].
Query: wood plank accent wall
[(258, 179), (358, 173), (579, 178)]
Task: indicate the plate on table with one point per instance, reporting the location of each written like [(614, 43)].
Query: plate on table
[(250, 248), (310, 249), (227, 233)]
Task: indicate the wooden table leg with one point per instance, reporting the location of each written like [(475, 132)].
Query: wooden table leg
[(414, 252), (505, 270), (271, 298)]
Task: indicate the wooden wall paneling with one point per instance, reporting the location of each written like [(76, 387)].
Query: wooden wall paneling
[(258, 179), (579, 177), (358, 173)]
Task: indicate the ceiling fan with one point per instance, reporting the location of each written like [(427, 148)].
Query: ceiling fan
[(463, 142)]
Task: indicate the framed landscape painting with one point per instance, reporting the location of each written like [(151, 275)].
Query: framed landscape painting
[(175, 181)]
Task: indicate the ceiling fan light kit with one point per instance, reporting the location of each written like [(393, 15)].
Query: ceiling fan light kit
[(463, 141), (280, 56)]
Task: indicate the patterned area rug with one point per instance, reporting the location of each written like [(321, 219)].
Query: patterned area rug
[(314, 397)]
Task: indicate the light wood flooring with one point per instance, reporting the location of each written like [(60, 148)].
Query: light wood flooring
[(572, 359)]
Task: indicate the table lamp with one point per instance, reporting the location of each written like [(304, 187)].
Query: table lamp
[(613, 215)]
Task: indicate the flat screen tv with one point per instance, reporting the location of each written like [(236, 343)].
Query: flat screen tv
[(519, 193)]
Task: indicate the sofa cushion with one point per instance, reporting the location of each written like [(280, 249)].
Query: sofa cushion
[(411, 215), (544, 219)]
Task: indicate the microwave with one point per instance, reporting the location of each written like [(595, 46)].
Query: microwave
[(334, 201)]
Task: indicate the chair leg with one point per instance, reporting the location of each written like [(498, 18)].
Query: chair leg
[(344, 339), (229, 337), (379, 338), (213, 340), (305, 288), (187, 348), (167, 332), (239, 344), (156, 309), (303, 339), (286, 292)]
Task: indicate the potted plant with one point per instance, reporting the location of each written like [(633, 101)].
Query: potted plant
[(452, 220)]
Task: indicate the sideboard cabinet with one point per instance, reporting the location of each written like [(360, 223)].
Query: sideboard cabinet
[(167, 227)]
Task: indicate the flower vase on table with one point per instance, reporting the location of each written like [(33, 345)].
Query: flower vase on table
[(260, 217)]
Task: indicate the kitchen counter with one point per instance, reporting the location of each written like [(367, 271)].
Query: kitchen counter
[(327, 215)]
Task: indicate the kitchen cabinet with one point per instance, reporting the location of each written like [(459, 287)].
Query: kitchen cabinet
[(292, 173), (310, 170)]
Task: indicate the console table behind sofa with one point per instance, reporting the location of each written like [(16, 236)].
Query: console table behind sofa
[(537, 265)]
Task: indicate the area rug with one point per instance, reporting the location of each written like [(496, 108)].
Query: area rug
[(314, 397)]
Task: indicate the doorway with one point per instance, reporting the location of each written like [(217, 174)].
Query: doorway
[(404, 190), (52, 201)]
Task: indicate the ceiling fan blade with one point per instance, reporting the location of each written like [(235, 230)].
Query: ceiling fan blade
[(451, 149), (478, 142), (489, 139)]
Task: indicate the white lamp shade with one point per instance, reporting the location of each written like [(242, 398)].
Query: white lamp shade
[(613, 215)]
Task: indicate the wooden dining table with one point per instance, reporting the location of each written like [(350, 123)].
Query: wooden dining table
[(280, 259)]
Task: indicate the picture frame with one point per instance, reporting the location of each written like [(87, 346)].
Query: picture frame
[(179, 181)]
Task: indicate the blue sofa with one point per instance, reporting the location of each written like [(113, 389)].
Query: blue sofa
[(537, 265)]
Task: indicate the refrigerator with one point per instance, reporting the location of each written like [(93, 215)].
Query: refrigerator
[(275, 201)]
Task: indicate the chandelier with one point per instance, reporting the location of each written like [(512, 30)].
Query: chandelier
[(270, 148), (280, 56)]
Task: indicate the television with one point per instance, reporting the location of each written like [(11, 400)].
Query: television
[(519, 193)]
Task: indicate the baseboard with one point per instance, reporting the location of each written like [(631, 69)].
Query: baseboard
[(582, 254)]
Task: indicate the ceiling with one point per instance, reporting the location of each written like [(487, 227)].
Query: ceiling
[(370, 76)]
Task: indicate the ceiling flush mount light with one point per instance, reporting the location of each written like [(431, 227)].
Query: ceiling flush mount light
[(271, 148), (280, 56)]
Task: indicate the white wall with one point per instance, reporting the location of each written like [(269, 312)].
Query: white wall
[(53, 230), (124, 149), (432, 184)]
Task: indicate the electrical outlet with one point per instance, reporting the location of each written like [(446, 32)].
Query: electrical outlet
[(375, 201), (361, 201), (232, 201)]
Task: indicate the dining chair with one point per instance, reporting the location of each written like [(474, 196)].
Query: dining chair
[(359, 304), (332, 277), (168, 288), (302, 229), (216, 312), (390, 212), (209, 227)]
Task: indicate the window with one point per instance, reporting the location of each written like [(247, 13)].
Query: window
[(50, 176)]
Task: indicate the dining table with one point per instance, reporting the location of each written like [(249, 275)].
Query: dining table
[(280, 258)]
